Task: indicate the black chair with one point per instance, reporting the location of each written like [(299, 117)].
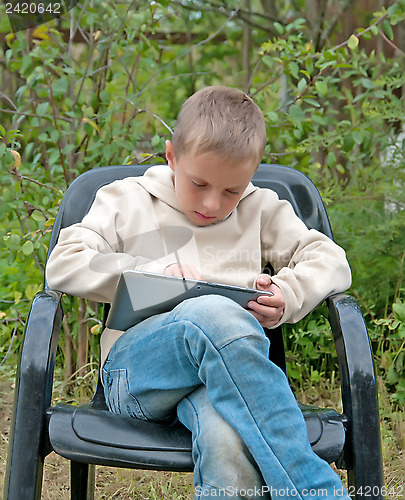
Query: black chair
[(89, 435)]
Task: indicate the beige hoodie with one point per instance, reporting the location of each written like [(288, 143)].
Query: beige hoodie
[(137, 223)]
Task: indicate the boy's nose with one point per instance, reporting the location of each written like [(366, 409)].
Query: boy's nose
[(212, 203)]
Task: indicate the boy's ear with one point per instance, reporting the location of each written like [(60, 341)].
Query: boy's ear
[(171, 160)]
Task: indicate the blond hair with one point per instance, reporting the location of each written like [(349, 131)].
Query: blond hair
[(222, 121)]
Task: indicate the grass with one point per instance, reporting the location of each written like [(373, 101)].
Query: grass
[(149, 485)]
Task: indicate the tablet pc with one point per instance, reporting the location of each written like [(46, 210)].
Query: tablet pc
[(140, 295)]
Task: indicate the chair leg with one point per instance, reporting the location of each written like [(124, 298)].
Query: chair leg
[(82, 481), (25, 477), (359, 396)]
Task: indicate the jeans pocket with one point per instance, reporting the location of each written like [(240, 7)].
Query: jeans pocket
[(117, 394)]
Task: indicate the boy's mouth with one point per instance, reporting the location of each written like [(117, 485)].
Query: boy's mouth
[(203, 217)]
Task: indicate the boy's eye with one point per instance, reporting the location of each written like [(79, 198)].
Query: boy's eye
[(198, 184)]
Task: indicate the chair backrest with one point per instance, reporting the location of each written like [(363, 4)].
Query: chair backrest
[(288, 183)]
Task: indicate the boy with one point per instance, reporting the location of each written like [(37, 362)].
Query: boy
[(207, 359)]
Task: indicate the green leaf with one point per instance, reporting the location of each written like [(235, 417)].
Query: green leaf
[(368, 84), (28, 248), (329, 55), (399, 311), (43, 137), (13, 241), (105, 96), (155, 140), (54, 135), (37, 216), (31, 291), (60, 87), (301, 85), (358, 136), (274, 117), (392, 375), (13, 133), (296, 114), (353, 42), (279, 28), (348, 142), (331, 159), (8, 158), (42, 108), (69, 71), (68, 148), (312, 102), (17, 297), (294, 68), (388, 29), (321, 87)]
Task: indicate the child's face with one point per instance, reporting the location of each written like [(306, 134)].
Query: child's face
[(207, 187)]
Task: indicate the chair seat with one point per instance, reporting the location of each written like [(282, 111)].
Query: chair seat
[(326, 432), (89, 435), (84, 434)]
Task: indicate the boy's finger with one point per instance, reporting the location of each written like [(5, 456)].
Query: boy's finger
[(191, 272), (263, 281), (266, 311), (265, 321), (273, 301), (266, 300)]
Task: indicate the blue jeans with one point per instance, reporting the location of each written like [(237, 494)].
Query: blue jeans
[(207, 361)]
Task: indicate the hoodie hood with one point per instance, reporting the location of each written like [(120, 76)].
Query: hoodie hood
[(159, 182)]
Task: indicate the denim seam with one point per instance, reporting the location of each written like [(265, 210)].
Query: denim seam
[(202, 482), (232, 341), (196, 441), (238, 390), (135, 399)]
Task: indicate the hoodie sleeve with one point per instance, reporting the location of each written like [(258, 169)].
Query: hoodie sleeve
[(308, 265), (89, 257)]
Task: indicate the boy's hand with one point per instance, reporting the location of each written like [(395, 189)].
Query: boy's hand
[(267, 310), (182, 271)]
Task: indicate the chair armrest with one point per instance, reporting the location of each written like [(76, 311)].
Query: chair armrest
[(37, 360), (33, 391), (359, 394)]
